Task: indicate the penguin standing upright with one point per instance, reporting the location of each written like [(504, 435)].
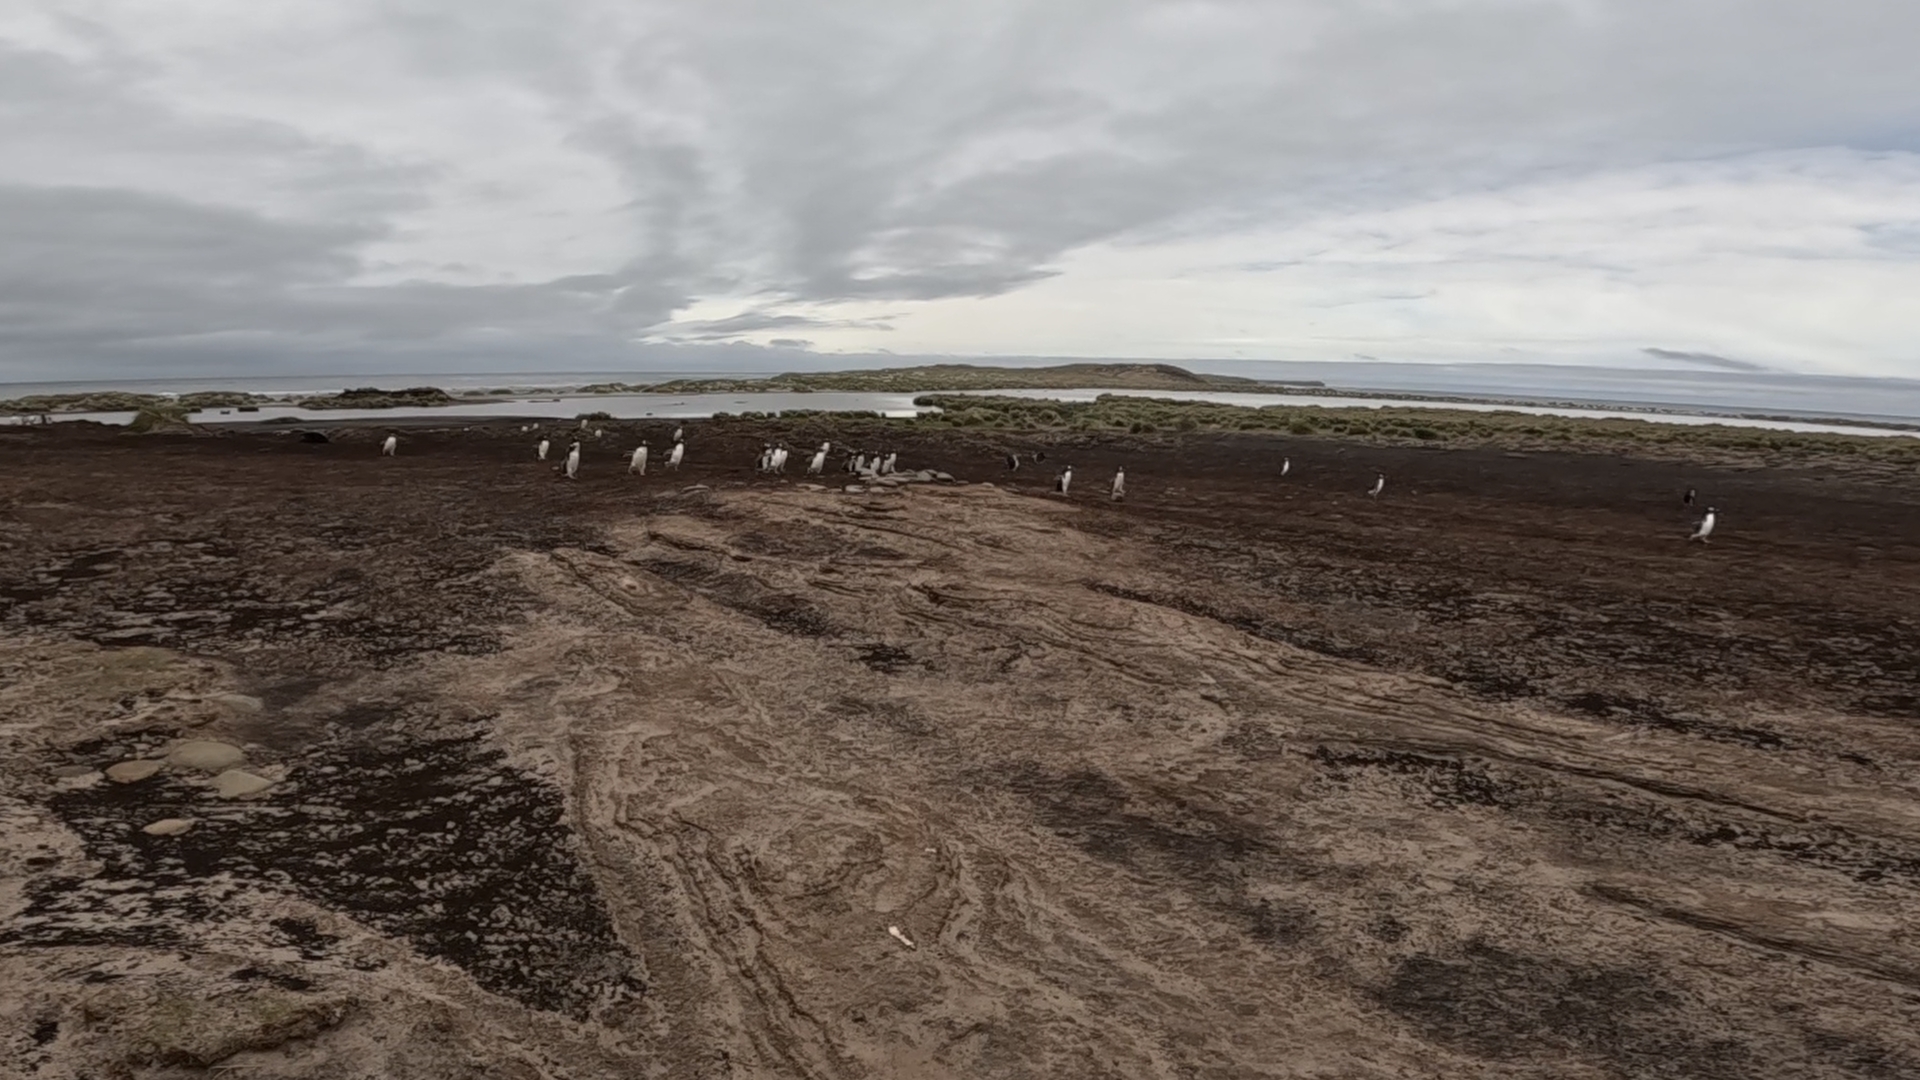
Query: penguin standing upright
[(1379, 485), (1064, 480), (679, 452), (388, 448), (541, 450), (638, 463), (1687, 499), (573, 461), (1286, 466), (1705, 528), (818, 463), (1013, 462), (1119, 484)]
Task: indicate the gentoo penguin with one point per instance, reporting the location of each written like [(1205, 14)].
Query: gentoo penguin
[(1705, 528), (541, 450), (1379, 485), (392, 444), (1013, 462), (1286, 465), (573, 461), (1687, 499), (639, 462), (818, 464), (679, 432), (780, 458), (1064, 480), (679, 452), (1119, 484)]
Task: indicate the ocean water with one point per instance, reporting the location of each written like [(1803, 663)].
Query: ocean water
[(1802, 401)]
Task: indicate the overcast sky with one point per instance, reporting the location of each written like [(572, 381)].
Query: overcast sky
[(206, 186)]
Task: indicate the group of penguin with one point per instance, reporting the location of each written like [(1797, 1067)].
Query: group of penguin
[(773, 459)]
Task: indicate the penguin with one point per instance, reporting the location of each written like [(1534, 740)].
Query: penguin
[(1286, 465), (1064, 480), (679, 432), (1013, 462), (1379, 485), (388, 448), (818, 464), (1687, 499), (573, 461), (638, 464), (541, 450), (679, 452), (1119, 484), (1705, 528), (780, 458)]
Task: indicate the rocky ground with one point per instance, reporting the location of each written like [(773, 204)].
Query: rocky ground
[(319, 764)]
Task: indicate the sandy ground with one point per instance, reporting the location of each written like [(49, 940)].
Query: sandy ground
[(1493, 776)]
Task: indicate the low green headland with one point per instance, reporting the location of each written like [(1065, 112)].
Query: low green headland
[(932, 378)]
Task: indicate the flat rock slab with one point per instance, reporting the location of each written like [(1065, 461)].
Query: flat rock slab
[(128, 772), (172, 826), (238, 784), (206, 755)]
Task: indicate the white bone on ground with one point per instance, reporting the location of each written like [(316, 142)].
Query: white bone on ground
[(902, 938)]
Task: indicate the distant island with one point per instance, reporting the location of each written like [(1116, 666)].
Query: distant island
[(937, 378)]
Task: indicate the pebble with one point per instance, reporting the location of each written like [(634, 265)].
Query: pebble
[(128, 772), (206, 755), (172, 826), (238, 784), (245, 703)]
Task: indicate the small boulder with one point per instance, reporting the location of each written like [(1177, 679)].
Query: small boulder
[(240, 703), (206, 755), (129, 772), (172, 826), (238, 784)]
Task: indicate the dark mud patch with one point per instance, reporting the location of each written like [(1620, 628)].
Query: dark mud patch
[(1645, 712), (434, 839), (1311, 639), (1217, 858), (886, 659), (1448, 782), (787, 613), (1499, 1004)]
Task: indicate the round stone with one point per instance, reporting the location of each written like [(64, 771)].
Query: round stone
[(206, 755), (127, 772), (172, 826), (238, 784)]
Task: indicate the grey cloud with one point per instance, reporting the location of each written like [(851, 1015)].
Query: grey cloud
[(789, 343), (1724, 363), (867, 149), (116, 275)]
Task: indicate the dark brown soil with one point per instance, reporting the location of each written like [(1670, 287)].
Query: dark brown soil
[(1494, 775)]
